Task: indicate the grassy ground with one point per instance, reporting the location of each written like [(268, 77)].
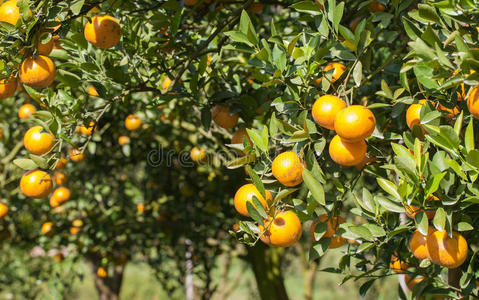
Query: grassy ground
[(140, 283)]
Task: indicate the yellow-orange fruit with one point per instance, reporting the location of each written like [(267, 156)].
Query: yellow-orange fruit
[(61, 195), (3, 210), (47, 227), (325, 109), (413, 113), (345, 153), (197, 154), (133, 122), (473, 102), (76, 155), (288, 169), (166, 83), (123, 140), (92, 91), (60, 178), (8, 87), (88, 130), (282, 231), (238, 138), (45, 49), (37, 141), (449, 252), (354, 123), (418, 244), (25, 111), (61, 163), (37, 72), (222, 117), (245, 194), (36, 184), (338, 70), (103, 31), (140, 207), (101, 272), (335, 241), (398, 266), (10, 12)]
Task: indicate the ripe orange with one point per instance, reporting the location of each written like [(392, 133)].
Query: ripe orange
[(398, 266), (166, 83), (74, 230), (58, 257), (92, 91), (61, 163), (338, 70), (354, 123), (36, 184), (10, 12), (26, 110), (282, 231), (103, 31), (45, 49), (3, 210), (288, 169), (61, 195), (325, 110), (88, 130), (245, 194), (256, 7), (446, 251), (54, 203), (133, 122), (473, 102), (123, 140), (345, 153), (222, 117), (335, 241), (238, 138), (418, 244), (197, 154), (413, 113), (140, 207), (101, 272), (37, 141), (60, 178), (8, 87), (47, 227), (410, 282), (37, 72), (76, 155), (77, 223)]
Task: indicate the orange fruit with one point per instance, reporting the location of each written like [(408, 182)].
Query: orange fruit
[(47, 227), (3, 210), (77, 223), (412, 210), (58, 257), (452, 112), (197, 154), (166, 83), (133, 122), (245, 194), (26, 110), (76, 155), (140, 207), (61, 163), (45, 49), (101, 272), (283, 230), (103, 31), (413, 113), (61, 195), (222, 117), (418, 244), (60, 178), (412, 282), (54, 203), (288, 169), (376, 7), (256, 7), (325, 109), (75, 230), (88, 130), (94, 10), (123, 140), (473, 102), (345, 153), (210, 60), (335, 241), (10, 12), (398, 266), (354, 123), (37, 72), (8, 87), (92, 91), (338, 70), (36, 184), (37, 141), (238, 138), (57, 43), (449, 252)]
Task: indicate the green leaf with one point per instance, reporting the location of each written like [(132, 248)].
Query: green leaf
[(256, 181), (25, 164), (358, 73), (39, 161), (338, 15), (463, 226), (362, 232), (429, 13), (433, 185), (239, 37), (469, 137), (34, 94), (389, 187), (439, 220), (259, 207), (458, 123), (259, 139), (292, 44), (389, 205), (284, 193), (365, 287), (314, 187), (318, 249), (76, 7), (421, 222), (254, 214), (307, 7), (456, 167)]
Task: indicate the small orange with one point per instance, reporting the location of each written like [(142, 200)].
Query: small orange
[(103, 31), (256, 7), (37, 141), (36, 184), (60, 178), (166, 83), (413, 113), (10, 12), (61, 163), (88, 130), (140, 207), (75, 230), (376, 7), (418, 244), (446, 251), (325, 110), (238, 138), (345, 153), (37, 72), (197, 154), (473, 102), (123, 140), (58, 257), (54, 203), (92, 91), (76, 155), (222, 117), (288, 169), (8, 87), (45, 49), (210, 60), (338, 70), (47, 227), (354, 123), (133, 122), (398, 266), (3, 210), (245, 194), (283, 230), (335, 241), (101, 272), (26, 110), (61, 195), (77, 223)]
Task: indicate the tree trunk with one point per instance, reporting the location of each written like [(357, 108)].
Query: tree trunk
[(309, 277), (108, 287), (266, 263)]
